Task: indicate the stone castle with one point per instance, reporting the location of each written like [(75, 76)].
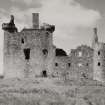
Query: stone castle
[(32, 54)]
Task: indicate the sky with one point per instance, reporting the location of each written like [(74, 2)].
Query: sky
[(74, 20)]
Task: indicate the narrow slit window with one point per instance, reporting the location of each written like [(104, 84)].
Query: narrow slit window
[(98, 52), (69, 64), (99, 63), (22, 41)]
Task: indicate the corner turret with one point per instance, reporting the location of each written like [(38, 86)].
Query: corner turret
[(10, 27)]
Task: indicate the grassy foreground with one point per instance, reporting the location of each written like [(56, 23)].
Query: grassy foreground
[(48, 92)]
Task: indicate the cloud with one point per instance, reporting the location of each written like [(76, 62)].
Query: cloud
[(66, 15), (27, 2)]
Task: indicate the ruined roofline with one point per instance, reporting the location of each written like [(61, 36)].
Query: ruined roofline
[(10, 27), (82, 45)]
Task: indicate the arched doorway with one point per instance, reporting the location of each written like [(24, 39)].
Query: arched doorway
[(44, 73)]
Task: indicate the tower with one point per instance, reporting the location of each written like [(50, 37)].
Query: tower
[(28, 53), (98, 59)]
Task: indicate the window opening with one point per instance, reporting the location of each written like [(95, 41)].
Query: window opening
[(44, 73), (45, 51), (22, 40), (56, 64), (98, 52), (69, 64), (99, 63), (27, 53)]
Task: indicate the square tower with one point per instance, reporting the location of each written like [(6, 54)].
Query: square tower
[(28, 53)]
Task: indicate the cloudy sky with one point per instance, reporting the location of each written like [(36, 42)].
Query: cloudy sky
[(74, 19)]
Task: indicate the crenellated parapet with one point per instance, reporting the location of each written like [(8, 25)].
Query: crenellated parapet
[(47, 27)]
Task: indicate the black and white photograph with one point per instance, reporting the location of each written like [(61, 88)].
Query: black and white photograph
[(52, 52)]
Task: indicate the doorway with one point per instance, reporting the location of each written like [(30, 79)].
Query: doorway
[(44, 73), (27, 53)]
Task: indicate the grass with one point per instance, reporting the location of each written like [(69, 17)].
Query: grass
[(48, 92)]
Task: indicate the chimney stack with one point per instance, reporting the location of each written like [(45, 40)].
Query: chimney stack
[(35, 20)]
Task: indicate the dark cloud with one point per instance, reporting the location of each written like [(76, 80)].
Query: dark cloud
[(93, 4)]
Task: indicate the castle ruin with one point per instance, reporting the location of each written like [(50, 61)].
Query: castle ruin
[(31, 53)]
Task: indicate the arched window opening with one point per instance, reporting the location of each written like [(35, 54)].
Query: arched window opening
[(56, 64), (99, 63), (98, 52), (45, 51), (44, 73)]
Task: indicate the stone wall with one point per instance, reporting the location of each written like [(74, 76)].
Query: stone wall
[(60, 66), (13, 61), (78, 65), (82, 61), (42, 59), (28, 53)]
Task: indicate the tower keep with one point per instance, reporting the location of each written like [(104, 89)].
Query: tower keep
[(28, 53)]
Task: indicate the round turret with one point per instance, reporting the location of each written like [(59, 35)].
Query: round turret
[(99, 62)]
